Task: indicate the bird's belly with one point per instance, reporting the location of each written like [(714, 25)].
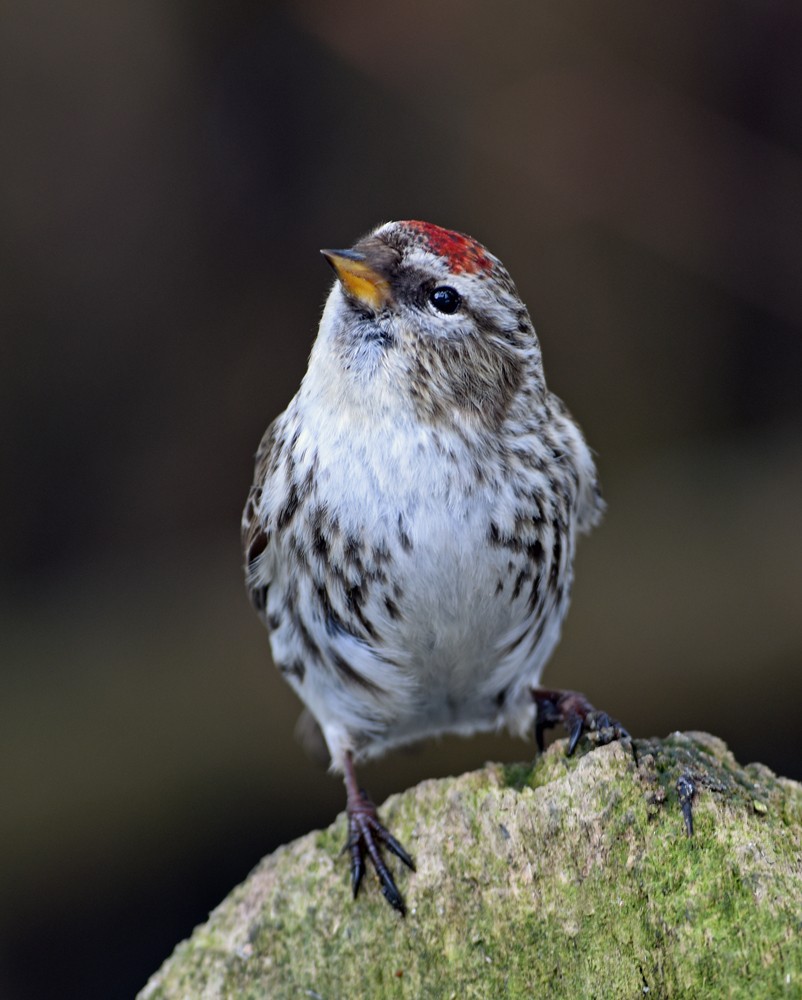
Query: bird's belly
[(456, 617)]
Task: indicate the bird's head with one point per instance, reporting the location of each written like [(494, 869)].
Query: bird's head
[(437, 313)]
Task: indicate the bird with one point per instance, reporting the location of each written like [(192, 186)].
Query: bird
[(409, 535)]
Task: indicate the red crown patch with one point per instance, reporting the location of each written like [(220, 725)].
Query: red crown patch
[(462, 253)]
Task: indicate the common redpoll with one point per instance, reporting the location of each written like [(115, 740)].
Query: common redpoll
[(410, 532)]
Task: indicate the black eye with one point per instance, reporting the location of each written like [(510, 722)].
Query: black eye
[(445, 299)]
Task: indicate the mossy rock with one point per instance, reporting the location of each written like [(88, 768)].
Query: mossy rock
[(569, 878)]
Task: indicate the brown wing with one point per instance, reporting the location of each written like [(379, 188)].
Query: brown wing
[(590, 505), (255, 533)]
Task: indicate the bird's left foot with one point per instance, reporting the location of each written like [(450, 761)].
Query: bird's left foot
[(573, 710)]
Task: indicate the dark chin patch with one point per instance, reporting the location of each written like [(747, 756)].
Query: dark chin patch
[(376, 335), (369, 329), (362, 328)]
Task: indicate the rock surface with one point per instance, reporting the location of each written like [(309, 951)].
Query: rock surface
[(566, 878)]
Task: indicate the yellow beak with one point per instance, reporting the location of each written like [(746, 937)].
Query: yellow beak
[(359, 280)]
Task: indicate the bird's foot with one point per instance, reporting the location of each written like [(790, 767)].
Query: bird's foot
[(366, 837), (573, 710)]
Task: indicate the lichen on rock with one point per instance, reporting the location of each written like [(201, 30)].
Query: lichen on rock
[(572, 877)]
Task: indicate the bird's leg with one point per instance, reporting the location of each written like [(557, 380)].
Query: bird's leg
[(575, 712), (366, 835)]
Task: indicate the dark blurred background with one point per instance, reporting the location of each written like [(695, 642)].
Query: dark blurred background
[(167, 173)]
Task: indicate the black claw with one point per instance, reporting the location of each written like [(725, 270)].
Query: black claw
[(686, 789), (396, 848), (394, 898), (357, 871), (576, 732), (391, 893)]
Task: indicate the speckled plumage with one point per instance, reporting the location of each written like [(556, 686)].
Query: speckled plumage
[(410, 533)]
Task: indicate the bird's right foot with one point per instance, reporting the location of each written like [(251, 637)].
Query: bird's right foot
[(366, 837)]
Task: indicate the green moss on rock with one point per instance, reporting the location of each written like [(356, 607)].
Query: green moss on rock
[(569, 877)]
